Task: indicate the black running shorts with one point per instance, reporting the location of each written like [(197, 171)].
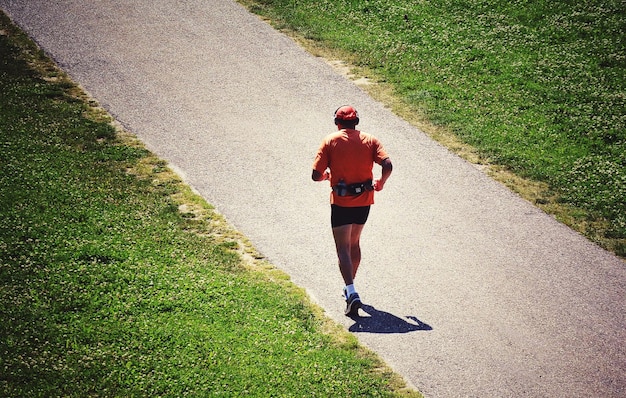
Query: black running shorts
[(348, 215)]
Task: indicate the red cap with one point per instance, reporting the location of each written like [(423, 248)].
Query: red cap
[(346, 112)]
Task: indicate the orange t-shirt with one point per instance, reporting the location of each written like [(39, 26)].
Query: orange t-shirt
[(350, 155)]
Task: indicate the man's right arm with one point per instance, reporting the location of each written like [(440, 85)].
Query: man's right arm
[(387, 169)]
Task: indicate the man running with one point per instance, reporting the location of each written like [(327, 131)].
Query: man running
[(346, 158)]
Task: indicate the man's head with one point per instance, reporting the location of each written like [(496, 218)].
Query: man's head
[(346, 116)]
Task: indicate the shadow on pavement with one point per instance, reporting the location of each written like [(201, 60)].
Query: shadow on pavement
[(383, 322)]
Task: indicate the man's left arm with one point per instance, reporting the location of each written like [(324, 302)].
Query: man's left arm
[(317, 176)]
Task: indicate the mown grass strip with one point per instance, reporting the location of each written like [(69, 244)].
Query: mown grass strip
[(116, 280), (537, 89)]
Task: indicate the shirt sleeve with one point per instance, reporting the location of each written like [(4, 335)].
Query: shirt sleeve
[(321, 162), (380, 153)]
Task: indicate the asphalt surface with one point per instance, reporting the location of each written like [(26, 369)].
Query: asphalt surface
[(471, 291)]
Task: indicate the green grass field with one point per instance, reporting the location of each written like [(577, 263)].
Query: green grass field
[(535, 87), (117, 281)]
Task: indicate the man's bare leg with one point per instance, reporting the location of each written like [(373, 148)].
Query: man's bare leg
[(355, 247), (343, 241)]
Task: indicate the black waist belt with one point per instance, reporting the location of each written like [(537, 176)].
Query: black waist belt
[(343, 189)]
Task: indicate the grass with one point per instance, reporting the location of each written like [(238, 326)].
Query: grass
[(533, 90), (117, 280)]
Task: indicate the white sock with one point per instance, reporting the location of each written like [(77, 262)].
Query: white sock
[(350, 290)]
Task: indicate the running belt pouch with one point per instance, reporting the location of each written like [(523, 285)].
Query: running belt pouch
[(356, 189), (359, 188), (342, 189)]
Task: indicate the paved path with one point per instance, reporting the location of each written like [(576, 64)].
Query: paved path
[(471, 290)]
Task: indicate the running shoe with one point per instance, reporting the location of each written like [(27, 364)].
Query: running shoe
[(353, 303)]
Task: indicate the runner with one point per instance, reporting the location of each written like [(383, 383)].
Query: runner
[(346, 158)]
